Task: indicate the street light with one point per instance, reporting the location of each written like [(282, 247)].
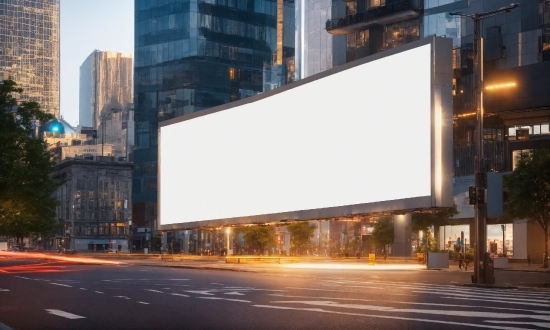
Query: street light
[(480, 206), (103, 120)]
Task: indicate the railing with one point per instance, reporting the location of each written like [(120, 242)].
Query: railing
[(370, 15)]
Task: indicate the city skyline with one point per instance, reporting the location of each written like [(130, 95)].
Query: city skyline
[(114, 31)]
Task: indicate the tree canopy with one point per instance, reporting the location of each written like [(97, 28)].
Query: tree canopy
[(27, 204), (421, 221), (382, 234), (259, 237), (301, 233), (529, 191)]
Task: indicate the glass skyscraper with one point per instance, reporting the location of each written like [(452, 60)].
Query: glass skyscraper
[(195, 54), (29, 49)]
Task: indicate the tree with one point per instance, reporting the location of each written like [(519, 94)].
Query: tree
[(529, 192), (259, 237), (301, 233), (423, 221), (382, 235), (27, 204)]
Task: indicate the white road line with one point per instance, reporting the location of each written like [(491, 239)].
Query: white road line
[(4, 290), (143, 302), (501, 301), (26, 278), (235, 293), (204, 292), (83, 289), (64, 314), (153, 290), (469, 314), (216, 283), (68, 286), (319, 310), (537, 324), (179, 294), (123, 297), (218, 298), (487, 296), (98, 292)]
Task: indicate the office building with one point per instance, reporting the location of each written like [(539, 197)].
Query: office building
[(94, 205), (105, 99), (29, 50)]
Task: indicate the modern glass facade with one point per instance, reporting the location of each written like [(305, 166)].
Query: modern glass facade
[(191, 55), (29, 49), (316, 49)]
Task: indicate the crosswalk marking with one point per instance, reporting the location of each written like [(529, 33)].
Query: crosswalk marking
[(65, 314)]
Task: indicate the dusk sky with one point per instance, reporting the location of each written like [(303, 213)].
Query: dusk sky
[(106, 25)]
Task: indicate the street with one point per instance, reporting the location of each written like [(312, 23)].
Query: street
[(36, 294)]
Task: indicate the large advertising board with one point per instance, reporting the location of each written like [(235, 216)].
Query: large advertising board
[(367, 137)]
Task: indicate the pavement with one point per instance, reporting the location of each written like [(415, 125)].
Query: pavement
[(268, 264)]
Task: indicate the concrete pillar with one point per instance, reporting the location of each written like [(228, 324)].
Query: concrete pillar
[(402, 235)]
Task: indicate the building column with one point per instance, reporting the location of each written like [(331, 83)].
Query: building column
[(402, 235)]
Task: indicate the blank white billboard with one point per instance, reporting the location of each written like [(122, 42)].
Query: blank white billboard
[(359, 136)]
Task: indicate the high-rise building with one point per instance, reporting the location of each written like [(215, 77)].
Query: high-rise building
[(29, 50), (192, 55), (105, 95)]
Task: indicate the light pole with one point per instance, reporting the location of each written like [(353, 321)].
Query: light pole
[(480, 170), (104, 119)]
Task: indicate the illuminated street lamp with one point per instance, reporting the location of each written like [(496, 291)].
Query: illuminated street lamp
[(480, 184)]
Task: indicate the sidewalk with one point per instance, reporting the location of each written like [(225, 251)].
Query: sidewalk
[(218, 262)]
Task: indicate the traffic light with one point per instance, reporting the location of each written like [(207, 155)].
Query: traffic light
[(472, 193)]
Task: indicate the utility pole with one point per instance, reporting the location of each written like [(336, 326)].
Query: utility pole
[(480, 168)]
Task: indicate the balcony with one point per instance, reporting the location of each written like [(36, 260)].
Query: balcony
[(383, 15)]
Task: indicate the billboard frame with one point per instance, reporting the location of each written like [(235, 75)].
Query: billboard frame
[(441, 147)]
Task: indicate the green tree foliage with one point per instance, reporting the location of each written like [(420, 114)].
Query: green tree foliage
[(529, 191), (301, 233), (26, 202), (422, 221), (382, 234), (259, 237)]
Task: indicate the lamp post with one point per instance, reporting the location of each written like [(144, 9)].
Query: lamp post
[(480, 171), (104, 119)]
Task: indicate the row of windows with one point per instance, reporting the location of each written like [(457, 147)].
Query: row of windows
[(181, 49)]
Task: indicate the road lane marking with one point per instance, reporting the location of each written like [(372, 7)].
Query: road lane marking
[(99, 292), (494, 300), (26, 278), (216, 283), (179, 294), (65, 314), (123, 297), (219, 298), (320, 310), (68, 286), (4, 290), (143, 302), (82, 289), (153, 290), (204, 292), (469, 314), (235, 293), (537, 324)]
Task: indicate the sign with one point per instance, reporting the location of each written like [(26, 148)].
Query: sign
[(372, 258)]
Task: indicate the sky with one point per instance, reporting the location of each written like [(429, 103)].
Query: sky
[(106, 25)]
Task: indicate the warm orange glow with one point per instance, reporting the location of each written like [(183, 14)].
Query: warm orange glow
[(490, 87), (75, 259)]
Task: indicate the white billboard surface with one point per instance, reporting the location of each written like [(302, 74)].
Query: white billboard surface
[(362, 135)]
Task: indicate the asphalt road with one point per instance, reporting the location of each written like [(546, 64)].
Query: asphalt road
[(57, 295)]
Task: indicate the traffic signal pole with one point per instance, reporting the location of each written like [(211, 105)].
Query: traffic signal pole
[(480, 166)]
